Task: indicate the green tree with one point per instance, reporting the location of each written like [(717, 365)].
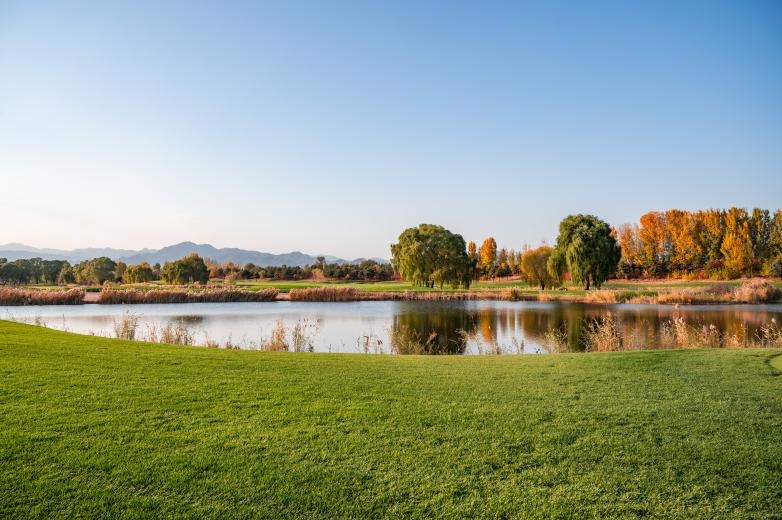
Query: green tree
[(95, 271), (430, 254), (534, 266), (190, 269), (138, 273), (587, 248)]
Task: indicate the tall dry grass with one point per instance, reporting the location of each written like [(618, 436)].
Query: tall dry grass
[(347, 294), (602, 335), (602, 296), (170, 334), (326, 294), (300, 337), (220, 295), (22, 296), (126, 326), (756, 290)]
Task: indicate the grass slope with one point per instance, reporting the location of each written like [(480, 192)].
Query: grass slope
[(97, 427)]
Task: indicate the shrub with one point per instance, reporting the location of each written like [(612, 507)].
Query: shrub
[(757, 291)]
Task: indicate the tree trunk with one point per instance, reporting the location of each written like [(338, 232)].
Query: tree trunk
[(587, 284)]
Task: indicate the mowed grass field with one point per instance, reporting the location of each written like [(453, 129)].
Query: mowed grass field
[(93, 427)]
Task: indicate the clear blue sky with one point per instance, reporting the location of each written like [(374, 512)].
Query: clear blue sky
[(329, 127)]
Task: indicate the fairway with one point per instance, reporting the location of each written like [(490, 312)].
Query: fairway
[(93, 427)]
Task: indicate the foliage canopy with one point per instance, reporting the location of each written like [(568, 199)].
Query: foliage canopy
[(588, 249), (430, 254)]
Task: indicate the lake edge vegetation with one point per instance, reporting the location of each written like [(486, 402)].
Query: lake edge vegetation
[(722, 244)]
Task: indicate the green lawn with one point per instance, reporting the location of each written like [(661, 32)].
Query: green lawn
[(93, 427)]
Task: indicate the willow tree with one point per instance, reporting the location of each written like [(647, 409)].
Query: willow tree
[(430, 255), (587, 248), (534, 266)]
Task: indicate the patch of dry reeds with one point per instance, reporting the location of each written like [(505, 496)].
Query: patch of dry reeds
[(347, 294), (170, 334), (22, 296), (220, 295), (753, 291), (602, 335), (125, 327), (602, 296), (298, 338), (326, 294), (757, 290)]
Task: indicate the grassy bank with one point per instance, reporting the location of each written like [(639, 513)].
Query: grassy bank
[(97, 427), (649, 291)]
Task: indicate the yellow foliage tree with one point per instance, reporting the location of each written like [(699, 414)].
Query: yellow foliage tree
[(488, 256)]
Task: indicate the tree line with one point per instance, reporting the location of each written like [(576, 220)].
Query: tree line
[(189, 269), (366, 270), (586, 250), (712, 243)]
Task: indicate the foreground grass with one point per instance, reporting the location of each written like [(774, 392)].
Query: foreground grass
[(97, 427)]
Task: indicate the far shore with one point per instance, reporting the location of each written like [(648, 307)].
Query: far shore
[(746, 291)]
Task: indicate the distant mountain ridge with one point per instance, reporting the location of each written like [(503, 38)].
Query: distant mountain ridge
[(170, 253)]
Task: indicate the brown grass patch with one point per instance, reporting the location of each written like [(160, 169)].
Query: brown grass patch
[(221, 295), (21, 296)]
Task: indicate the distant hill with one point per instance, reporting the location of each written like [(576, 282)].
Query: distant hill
[(170, 253)]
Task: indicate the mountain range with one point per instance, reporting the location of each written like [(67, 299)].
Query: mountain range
[(170, 253)]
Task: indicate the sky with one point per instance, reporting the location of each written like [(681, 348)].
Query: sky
[(330, 127)]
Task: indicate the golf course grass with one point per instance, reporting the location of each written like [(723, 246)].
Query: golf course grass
[(93, 427)]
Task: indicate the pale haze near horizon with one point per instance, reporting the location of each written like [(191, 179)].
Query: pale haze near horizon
[(330, 127)]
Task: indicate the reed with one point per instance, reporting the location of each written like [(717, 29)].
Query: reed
[(170, 334), (602, 296), (210, 295), (300, 337), (347, 294), (753, 291), (126, 326), (326, 294), (22, 296), (602, 335)]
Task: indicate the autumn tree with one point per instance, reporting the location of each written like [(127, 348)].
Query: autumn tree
[(431, 255), (736, 246), (631, 263), (685, 251), (652, 235), (488, 257), (503, 268), (587, 248), (711, 231)]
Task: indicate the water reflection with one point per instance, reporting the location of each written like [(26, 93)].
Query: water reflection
[(459, 327), (418, 330)]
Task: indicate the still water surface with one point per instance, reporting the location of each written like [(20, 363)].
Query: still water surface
[(463, 327)]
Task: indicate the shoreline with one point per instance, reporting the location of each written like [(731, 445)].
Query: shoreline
[(755, 291)]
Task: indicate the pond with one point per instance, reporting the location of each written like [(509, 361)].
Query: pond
[(458, 327)]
